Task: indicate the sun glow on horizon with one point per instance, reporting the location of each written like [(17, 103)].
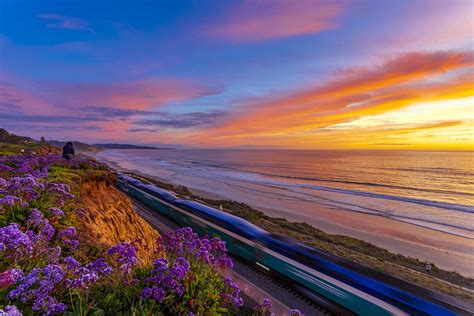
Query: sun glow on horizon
[(315, 75)]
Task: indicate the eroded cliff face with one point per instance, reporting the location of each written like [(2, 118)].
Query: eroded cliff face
[(110, 218)]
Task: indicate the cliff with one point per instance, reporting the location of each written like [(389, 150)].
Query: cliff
[(110, 218)]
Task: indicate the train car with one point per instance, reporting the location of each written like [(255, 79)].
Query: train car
[(327, 275), (242, 238), (353, 287)]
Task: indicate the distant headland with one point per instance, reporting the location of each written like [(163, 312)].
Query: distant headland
[(125, 146)]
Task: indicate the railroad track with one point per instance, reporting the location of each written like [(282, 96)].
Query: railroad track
[(256, 282)]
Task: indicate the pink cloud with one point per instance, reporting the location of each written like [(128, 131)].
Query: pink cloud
[(87, 110), (141, 94), (263, 20)]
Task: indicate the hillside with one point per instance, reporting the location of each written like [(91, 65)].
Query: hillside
[(73, 244), (6, 137), (78, 146)]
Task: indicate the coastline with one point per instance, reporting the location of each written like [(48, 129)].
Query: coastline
[(397, 237)]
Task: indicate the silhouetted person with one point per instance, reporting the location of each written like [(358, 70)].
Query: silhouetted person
[(68, 151), (428, 267)]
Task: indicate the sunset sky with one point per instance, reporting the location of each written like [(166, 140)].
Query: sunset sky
[(300, 74)]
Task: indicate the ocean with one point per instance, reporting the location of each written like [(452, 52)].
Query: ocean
[(430, 189), (417, 203)]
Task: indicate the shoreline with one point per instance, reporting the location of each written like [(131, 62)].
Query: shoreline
[(395, 236)]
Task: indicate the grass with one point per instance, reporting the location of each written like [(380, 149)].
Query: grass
[(404, 267)]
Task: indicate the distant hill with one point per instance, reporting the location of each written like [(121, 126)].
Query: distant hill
[(123, 146), (6, 137), (78, 146)]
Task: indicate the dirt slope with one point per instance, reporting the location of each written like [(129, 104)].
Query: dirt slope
[(111, 218)]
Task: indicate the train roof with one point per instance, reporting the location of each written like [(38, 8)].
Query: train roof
[(129, 179), (236, 221), (167, 195)]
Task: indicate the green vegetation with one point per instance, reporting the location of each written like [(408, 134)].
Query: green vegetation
[(50, 265), (407, 268)]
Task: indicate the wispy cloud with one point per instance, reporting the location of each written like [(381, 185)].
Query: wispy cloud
[(58, 21), (250, 21), (136, 95), (184, 120), (113, 113), (144, 130), (21, 117)]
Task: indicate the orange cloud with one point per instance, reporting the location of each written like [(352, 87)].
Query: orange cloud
[(262, 20), (354, 93)]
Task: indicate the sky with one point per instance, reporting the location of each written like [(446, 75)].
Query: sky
[(364, 74)]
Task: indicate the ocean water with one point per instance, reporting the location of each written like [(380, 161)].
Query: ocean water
[(425, 188)]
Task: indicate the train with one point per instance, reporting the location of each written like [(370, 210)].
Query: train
[(346, 287)]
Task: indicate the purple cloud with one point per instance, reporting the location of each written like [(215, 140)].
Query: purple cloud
[(184, 120), (57, 21)]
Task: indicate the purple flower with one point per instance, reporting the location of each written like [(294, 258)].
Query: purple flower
[(156, 293), (5, 168), (231, 294), (37, 286), (160, 265), (182, 262), (218, 245), (47, 233), (265, 306), (62, 189), (225, 262), (295, 312), (24, 167), (16, 274), (267, 303), (100, 267), (204, 254), (72, 244), (69, 232), (10, 310), (178, 272), (3, 183), (126, 255), (10, 200), (85, 278), (56, 212), (15, 244), (71, 263), (10, 277), (36, 219)]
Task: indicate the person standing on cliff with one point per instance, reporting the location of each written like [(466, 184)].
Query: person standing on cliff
[(68, 151)]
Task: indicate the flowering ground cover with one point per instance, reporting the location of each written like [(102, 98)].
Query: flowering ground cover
[(48, 265)]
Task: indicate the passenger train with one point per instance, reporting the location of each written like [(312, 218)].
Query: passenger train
[(351, 289)]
